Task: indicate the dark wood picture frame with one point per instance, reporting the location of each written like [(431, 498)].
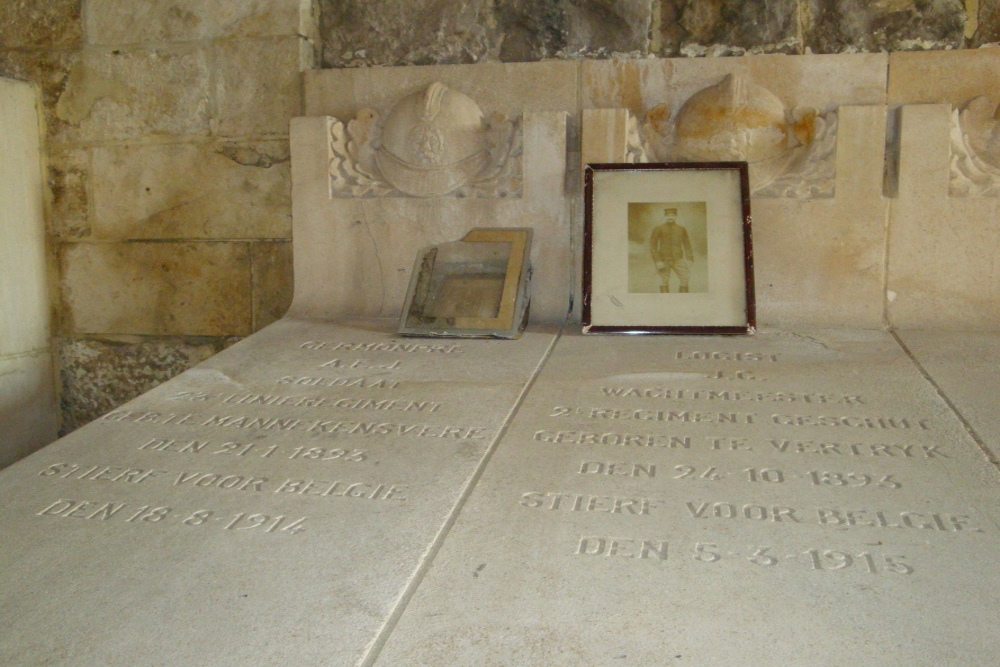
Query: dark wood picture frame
[(626, 278)]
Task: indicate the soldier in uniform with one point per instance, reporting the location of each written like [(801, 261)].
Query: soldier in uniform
[(671, 250)]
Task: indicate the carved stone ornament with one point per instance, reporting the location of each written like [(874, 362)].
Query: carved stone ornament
[(791, 152), (432, 143), (975, 149)]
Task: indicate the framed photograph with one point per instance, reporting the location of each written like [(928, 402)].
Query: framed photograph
[(476, 287), (667, 249)]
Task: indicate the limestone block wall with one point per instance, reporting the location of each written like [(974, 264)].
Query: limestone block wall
[(168, 205), (28, 417), (168, 175)]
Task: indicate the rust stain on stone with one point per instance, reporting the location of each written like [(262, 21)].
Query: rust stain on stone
[(659, 118)]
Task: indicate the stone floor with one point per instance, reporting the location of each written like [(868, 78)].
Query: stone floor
[(333, 494)]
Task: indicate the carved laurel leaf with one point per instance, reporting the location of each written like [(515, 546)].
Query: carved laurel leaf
[(349, 149), (971, 174), (808, 171), (501, 177)]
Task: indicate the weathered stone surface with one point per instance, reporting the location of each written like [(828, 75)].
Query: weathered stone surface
[(196, 289), (259, 99), (405, 32), (126, 94), (116, 22), (69, 185), (729, 27), (271, 263), (953, 77), (889, 25), (97, 375), (50, 70), (534, 30), (50, 24), (987, 24), (199, 190)]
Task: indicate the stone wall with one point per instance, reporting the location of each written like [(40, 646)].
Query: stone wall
[(169, 204), (167, 135)]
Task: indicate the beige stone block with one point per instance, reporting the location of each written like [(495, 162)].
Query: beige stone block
[(53, 24), (131, 93), (98, 375), (24, 297), (200, 190), (197, 289), (271, 263), (257, 86), (820, 262), (70, 189), (942, 249), (936, 77), (822, 82), (507, 88), (112, 22), (28, 416)]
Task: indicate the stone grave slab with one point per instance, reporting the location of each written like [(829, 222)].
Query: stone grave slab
[(963, 364), (270, 506), (790, 498)]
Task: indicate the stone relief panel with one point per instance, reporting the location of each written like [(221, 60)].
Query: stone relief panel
[(432, 143), (791, 151), (975, 149)]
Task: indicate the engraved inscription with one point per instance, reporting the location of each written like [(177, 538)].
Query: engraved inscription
[(328, 427), (825, 560), (688, 416), (575, 502), (614, 439), (753, 475), (857, 449), (626, 469), (865, 518), (151, 514), (623, 548), (358, 382), (251, 450), (852, 422), (727, 395), (390, 346), (100, 473), (725, 356), (360, 364)]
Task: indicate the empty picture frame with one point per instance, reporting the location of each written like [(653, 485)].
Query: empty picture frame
[(476, 287), (667, 249)]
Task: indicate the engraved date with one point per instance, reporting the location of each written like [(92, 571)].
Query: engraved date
[(67, 508)]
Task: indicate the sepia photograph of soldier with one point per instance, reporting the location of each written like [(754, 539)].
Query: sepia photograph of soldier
[(667, 247)]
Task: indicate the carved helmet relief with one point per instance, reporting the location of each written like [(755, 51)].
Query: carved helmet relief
[(433, 142), (735, 119), (790, 151)]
